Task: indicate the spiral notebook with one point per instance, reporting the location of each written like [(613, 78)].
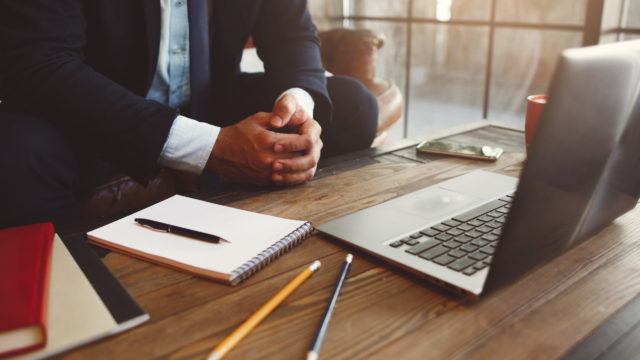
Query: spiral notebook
[(254, 240)]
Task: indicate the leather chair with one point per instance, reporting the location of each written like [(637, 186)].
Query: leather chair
[(344, 52), (353, 53)]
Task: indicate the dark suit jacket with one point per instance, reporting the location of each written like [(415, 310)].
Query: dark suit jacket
[(86, 65)]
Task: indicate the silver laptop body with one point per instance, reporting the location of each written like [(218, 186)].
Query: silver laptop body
[(582, 173)]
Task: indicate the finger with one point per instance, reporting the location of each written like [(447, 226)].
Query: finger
[(316, 151), (293, 178), (299, 117), (297, 164), (309, 134), (300, 163), (284, 110), (311, 127), (294, 142), (262, 119)]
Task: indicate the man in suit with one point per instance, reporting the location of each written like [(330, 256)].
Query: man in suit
[(94, 87)]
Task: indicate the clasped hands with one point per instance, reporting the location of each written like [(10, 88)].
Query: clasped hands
[(255, 151)]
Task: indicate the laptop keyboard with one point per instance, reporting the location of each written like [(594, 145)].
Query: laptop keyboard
[(464, 243)]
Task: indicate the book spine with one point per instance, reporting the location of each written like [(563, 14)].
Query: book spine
[(271, 253)]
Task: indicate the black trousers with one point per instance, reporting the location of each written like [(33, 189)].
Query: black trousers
[(43, 176)]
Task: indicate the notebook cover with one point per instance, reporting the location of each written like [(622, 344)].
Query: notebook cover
[(25, 258), (86, 303)]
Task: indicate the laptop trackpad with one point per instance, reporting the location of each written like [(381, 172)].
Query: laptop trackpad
[(434, 203), (397, 217)]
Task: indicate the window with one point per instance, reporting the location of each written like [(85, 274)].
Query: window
[(460, 61), (620, 20)]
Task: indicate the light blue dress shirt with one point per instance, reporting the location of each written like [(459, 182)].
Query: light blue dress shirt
[(171, 84), (190, 142)]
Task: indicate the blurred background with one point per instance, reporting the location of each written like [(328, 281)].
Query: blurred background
[(462, 61)]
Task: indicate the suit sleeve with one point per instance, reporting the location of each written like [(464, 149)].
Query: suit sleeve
[(287, 42), (42, 73)]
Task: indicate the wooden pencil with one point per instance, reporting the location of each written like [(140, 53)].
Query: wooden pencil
[(243, 330)]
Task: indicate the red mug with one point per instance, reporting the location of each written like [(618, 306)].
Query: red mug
[(535, 105)]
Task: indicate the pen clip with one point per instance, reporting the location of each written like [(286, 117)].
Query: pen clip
[(153, 228)]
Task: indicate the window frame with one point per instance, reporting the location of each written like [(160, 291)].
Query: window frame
[(591, 33)]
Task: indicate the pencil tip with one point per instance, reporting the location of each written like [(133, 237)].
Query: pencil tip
[(349, 258)]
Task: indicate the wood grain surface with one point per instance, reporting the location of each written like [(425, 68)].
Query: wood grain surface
[(382, 313)]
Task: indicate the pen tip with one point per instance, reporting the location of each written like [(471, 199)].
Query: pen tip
[(315, 265), (349, 258)]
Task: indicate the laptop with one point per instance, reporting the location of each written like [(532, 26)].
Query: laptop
[(477, 232)]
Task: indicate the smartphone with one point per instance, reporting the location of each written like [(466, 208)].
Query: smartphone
[(460, 150)]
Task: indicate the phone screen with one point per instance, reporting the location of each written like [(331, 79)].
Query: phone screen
[(462, 150)]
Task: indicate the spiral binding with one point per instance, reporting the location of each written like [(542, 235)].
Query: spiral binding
[(271, 253)]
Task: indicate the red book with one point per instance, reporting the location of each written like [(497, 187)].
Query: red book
[(25, 259)]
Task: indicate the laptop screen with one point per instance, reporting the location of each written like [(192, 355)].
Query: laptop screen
[(584, 167)]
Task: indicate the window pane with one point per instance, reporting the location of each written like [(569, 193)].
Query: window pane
[(611, 14), (523, 65), (609, 38), (542, 11), (633, 14), (448, 66), (391, 60), (380, 8), (445, 10), (323, 12)]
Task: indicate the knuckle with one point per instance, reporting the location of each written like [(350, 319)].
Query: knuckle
[(264, 160), (263, 139), (311, 162), (267, 161), (307, 141)]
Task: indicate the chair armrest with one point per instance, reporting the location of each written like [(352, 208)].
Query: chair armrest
[(353, 53), (350, 52)]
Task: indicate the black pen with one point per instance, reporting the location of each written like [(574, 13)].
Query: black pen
[(322, 330), (160, 226)]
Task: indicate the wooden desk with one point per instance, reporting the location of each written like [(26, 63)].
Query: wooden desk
[(384, 313)]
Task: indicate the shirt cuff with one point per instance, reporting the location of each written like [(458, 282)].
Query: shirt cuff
[(188, 145), (304, 99)]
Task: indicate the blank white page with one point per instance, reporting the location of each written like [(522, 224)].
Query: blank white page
[(249, 233)]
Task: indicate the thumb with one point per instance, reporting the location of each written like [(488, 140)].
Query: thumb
[(283, 110)]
